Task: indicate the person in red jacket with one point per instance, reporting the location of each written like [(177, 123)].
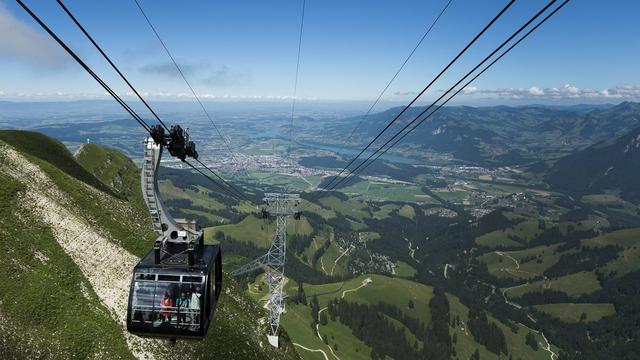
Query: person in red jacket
[(165, 307)]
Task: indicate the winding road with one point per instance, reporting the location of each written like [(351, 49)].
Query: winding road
[(547, 345), (339, 257)]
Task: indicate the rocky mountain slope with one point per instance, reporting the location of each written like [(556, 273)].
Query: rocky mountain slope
[(68, 244)]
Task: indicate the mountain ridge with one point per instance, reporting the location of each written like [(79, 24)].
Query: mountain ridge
[(613, 164), (501, 135), (71, 268)]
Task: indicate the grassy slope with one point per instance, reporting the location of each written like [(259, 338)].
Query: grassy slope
[(112, 167), (48, 299), (297, 321), (309, 206), (355, 209), (525, 230), (405, 270), (625, 238), (398, 292), (198, 198), (407, 211), (573, 285), (570, 312), (328, 259), (384, 192), (258, 231), (466, 345), (51, 151), (42, 294), (503, 266), (546, 256), (385, 210), (629, 259)]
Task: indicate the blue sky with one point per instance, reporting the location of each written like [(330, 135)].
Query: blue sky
[(588, 52)]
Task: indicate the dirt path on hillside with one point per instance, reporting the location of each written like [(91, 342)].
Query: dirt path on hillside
[(412, 250), (320, 336), (365, 282), (546, 346), (514, 271), (312, 350)]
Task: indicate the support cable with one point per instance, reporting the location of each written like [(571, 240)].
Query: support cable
[(179, 69), (379, 154), (235, 189), (295, 83), (117, 97), (66, 10), (495, 18), (406, 60), (218, 184), (133, 114)]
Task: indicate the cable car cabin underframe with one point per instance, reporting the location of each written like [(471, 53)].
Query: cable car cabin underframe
[(180, 266)]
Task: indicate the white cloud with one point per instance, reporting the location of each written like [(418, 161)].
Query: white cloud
[(19, 41), (568, 91), (536, 91), (404, 93), (572, 89), (470, 90), (130, 96)]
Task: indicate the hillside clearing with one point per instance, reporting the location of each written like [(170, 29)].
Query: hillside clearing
[(573, 285), (570, 312)]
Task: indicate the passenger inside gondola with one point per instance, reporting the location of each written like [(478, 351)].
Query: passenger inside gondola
[(170, 304), (182, 303), (195, 307), (166, 305)]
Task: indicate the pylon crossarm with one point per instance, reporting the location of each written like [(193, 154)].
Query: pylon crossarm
[(259, 263)]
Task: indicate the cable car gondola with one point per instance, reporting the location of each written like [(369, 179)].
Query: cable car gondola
[(175, 287)]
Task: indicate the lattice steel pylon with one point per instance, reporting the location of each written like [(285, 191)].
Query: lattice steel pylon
[(281, 206)]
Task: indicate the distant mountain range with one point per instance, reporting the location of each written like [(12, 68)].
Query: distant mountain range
[(501, 135), (489, 136)]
